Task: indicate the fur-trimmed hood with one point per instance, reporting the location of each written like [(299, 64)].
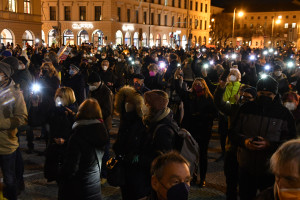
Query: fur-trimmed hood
[(130, 95)]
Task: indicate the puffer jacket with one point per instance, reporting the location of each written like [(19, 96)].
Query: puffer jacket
[(80, 174), (273, 122), (13, 113)]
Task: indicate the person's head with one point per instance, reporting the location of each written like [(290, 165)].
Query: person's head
[(73, 70), (22, 63), (53, 57), (277, 71), (74, 52), (138, 81), (6, 53), (156, 100), (88, 110), (13, 62), (105, 65), (153, 55), (234, 75), (199, 86), (103, 55), (170, 176), (267, 88), (248, 94), (153, 69), (285, 164), (5, 74), (291, 100), (173, 57), (94, 81), (47, 69), (64, 96)]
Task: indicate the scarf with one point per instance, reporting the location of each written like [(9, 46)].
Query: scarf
[(156, 117), (86, 122)]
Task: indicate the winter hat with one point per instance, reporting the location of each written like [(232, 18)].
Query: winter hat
[(23, 60), (157, 99), (75, 67), (291, 97), (94, 78), (267, 84), (6, 69), (12, 61), (139, 76), (277, 68), (6, 53), (252, 91)]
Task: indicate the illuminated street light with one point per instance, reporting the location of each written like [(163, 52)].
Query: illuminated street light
[(213, 20), (241, 14), (278, 21)]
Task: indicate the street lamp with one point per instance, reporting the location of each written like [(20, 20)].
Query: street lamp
[(240, 14), (278, 21)]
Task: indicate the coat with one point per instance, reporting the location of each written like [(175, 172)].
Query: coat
[(80, 174), (273, 122), (104, 96), (13, 113), (77, 84)]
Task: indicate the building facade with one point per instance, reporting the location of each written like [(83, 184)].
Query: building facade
[(259, 29), (20, 21), (131, 22)]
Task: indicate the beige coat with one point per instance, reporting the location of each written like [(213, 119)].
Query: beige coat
[(13, 113)]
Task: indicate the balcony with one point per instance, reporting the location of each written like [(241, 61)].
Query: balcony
[(5, 15)]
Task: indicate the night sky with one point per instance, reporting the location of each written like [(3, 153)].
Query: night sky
[(258, 5)]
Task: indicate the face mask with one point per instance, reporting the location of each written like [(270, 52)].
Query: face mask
[(20, 67), (277, 73), (103, 57), (84, 55), (289, 194), (152, 73), (290, 105), (178, 192), (119, 59), (58, 102), (198, 89), (71, 72), (104, 67), (92, 87), (115, 57), (264, 100), (156, 59), (232, 78), (137, 62)]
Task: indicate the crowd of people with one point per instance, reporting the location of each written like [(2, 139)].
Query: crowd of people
[(155, 92)]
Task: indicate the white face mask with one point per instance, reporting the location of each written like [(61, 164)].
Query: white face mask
[(278, 73), (116, 57), (290, 105), (58, 102), (92, 87), (104, 67), (103, 57), (156, 59), (137, 62), (21, 67), (84, 55), (119, 59), (232, 78)]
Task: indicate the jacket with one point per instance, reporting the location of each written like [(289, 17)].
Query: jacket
[(232, 88), (80, 174), (77, 84), (13, 113), (104, 96), (273, 122)]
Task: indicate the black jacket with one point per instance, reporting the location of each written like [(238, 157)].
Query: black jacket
[(273, 122), (80, 175), (77, 84)]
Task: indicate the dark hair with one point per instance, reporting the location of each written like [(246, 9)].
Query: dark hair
[(158, 165)]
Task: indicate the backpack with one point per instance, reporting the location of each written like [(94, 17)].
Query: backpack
[(189, 148)]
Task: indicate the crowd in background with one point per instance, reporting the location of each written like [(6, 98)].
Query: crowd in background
[(252, 93)]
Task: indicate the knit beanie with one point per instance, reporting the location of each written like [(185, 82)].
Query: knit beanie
[(94, 78), (267, 84), (6, 69), (277, 68), (156, 99), (252, 91), (23, 60), (13, 62), (6, 53)]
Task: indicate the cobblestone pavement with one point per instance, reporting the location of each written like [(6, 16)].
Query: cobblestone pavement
[(37, 187)]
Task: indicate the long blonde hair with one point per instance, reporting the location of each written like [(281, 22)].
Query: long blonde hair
[(52, 70)]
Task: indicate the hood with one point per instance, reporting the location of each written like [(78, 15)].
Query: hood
[(92, 131), (128, 94)]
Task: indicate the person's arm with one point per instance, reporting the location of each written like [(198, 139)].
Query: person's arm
[(19, 115), (163, 139), (218, 99)]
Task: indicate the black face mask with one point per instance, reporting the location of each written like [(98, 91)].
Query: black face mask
[(264, 100)]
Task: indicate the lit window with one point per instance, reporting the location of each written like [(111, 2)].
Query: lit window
[(293, 25), (27, 9), (286, 25), (12, 5)]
